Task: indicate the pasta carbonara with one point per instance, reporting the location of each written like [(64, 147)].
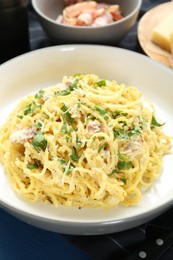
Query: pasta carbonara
[(85, 142)]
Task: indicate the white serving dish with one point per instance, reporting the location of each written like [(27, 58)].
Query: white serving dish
[(41, 68)]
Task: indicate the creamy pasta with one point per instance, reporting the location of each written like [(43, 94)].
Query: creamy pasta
[(85, 142)]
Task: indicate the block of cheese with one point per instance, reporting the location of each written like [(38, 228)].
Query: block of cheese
[(161, 33)]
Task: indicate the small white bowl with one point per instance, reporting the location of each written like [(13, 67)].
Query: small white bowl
[(48, 12)]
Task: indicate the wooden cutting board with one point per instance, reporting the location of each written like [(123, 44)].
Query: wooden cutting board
[(144, 31)]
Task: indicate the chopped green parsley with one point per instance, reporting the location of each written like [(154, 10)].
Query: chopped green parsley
[(39, 141)]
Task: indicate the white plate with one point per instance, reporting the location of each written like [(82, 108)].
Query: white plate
[(41, 68)]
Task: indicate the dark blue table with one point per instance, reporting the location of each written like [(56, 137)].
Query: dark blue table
[(20, 241)]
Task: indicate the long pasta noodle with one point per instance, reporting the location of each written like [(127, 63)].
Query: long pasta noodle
[(86, 142)]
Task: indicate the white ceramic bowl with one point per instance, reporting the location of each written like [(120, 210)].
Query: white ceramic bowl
[(48, 12), (35, 70)]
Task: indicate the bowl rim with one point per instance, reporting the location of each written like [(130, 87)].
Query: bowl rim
[(136, 10)]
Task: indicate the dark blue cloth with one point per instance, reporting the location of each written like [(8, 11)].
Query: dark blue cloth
[(19, 240)]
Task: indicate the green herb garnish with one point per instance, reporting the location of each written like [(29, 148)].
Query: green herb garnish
[(39, 94), (27, 109), (66, 92), (38, 125), (39, 141), (78, 142), (32, 166), (70, 168), (79, 104), (61, 93), (121, 134), (101, 83), (123, 157), (74, 156), (20, 116), (64, 108), (122, 165), (102, 111), (117, 113), (62, 161), (94, 138), (73, 85), (67, 138), (31, 107), (124, 180), (155, 123), (135, 131), (77, 75), (102, 147), (106, 117), (64, 128), (123, 123), (113, 172)]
